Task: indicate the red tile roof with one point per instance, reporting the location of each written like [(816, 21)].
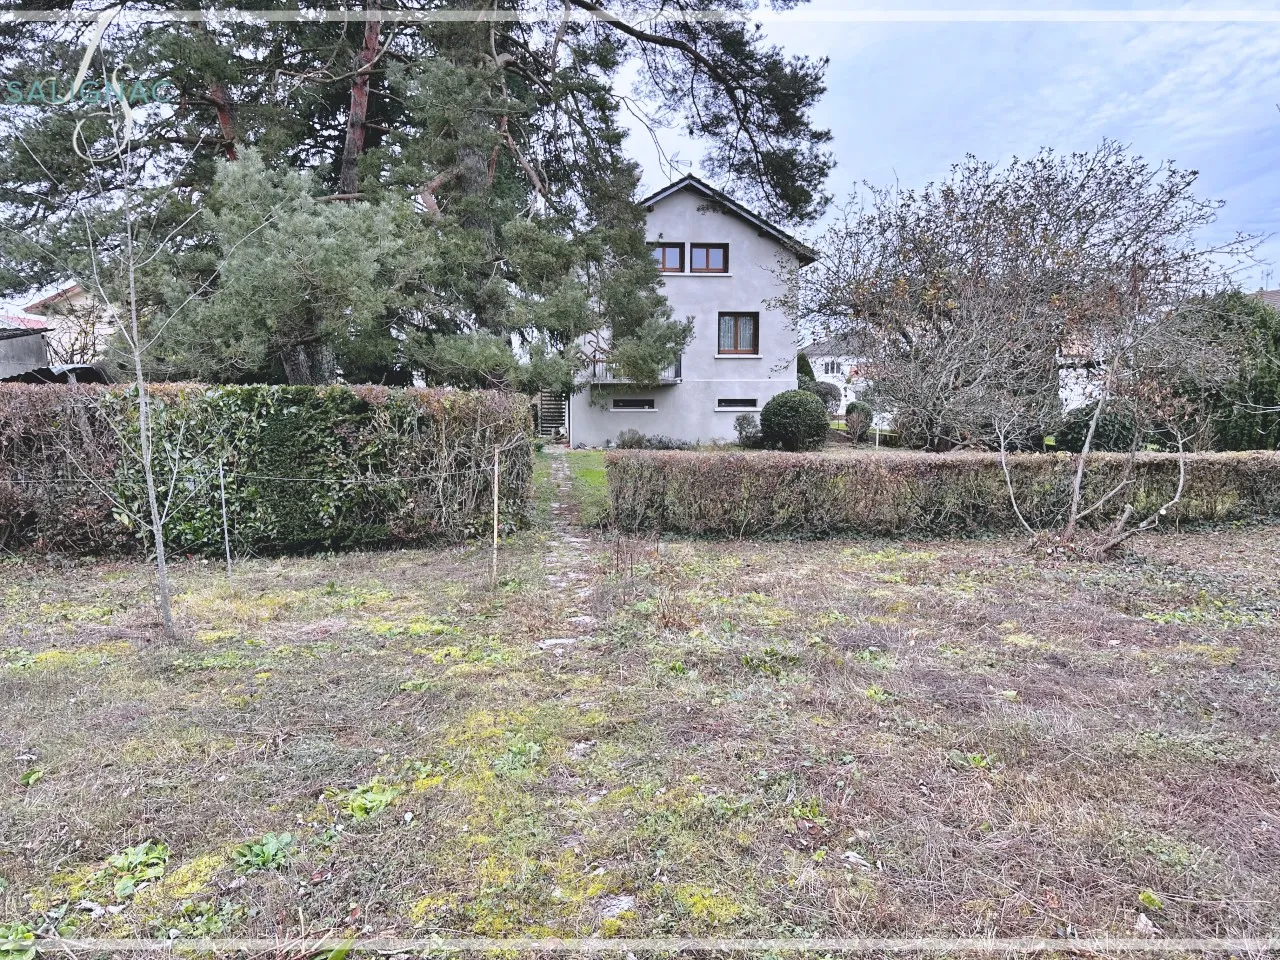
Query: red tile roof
[(14, 321)]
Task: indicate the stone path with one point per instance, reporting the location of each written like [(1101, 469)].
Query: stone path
[(568, 555)]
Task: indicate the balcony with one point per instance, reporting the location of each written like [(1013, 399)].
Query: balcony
[(602, 371)]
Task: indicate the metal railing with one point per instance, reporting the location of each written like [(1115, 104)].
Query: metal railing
[(603, 371)]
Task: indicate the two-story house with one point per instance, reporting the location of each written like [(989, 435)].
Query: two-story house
[(721, 266)]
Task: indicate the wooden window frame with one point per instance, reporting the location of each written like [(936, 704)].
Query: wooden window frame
[(661, 245), (708, 246), (737, 351)]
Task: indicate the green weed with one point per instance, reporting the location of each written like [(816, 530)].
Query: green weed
[(17, 936), (269, 853), (960, 760), (204, 919), (369, 799), (133, 868), (519, 757), (771, 662)]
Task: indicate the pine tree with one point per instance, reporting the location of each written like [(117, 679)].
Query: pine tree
[(385, 198)]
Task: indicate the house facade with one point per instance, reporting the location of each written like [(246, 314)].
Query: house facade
[(721, 267), (78, 324), (837, 363)]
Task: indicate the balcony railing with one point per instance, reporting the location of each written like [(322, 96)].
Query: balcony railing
[(604, 372)]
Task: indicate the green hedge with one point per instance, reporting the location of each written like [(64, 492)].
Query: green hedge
[(810, 495), (305, 468)]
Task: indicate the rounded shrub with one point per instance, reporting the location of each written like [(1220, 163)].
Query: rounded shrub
[(857, 420), (794, 420), (828, 393)]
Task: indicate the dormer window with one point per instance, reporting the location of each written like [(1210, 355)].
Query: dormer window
[(708, 258), (669, 256)]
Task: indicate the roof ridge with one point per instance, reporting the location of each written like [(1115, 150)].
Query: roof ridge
[(802, 250)]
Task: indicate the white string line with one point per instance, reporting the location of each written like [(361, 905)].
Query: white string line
[(664, 16), (595, 945), (484, 468)]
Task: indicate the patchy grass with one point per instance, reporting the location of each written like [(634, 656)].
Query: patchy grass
[(590, 486), (744, 739)]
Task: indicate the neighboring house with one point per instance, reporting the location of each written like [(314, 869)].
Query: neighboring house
[(78, 323), (22, 346), (834, 361), (720, 264)]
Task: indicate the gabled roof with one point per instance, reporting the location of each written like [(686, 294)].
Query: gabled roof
[(830, 347), (805, 253), (45, 303)]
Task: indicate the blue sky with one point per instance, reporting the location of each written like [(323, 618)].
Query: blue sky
[(906, 100)]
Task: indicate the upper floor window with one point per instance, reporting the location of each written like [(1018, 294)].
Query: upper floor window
[(708, 258), (831, 368), (670, 257), (739, 333)]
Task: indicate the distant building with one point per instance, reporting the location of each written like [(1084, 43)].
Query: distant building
[(720, 267), (836, 362), (22, 345), (1270, 297), (78, 324)]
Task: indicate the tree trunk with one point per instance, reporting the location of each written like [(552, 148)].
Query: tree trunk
[(348, 181), (221, 101), (309, 364), (217, 94)]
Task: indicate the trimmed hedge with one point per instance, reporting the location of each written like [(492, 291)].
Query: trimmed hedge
[(811, 495), (305, 468)]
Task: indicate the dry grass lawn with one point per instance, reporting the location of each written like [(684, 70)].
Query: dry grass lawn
[(744, 739)]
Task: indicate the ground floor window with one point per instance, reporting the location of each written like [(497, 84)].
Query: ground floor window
[(737, 403), (646, 404)]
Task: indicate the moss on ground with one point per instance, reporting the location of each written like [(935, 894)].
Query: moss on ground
[(742, 740)]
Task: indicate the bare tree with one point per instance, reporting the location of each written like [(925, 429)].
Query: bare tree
[(119, 247), (975, 297)]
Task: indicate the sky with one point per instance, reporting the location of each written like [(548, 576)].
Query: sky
[(905, 100)]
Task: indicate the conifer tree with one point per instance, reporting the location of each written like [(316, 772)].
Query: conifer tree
[(409, 192)]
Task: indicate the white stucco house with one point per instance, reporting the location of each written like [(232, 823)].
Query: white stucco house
[(720, 265), (836, 362)]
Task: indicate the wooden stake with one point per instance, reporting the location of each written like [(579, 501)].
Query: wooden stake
[(226, 535), (493, 573)]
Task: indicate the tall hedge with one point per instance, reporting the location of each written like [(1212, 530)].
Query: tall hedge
[(303, 468), (811, 495)]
